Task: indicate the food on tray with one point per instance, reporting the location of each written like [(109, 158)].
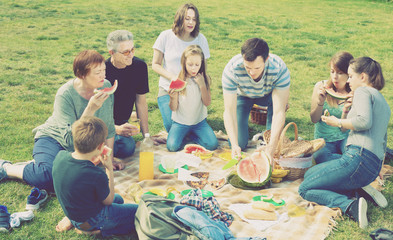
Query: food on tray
[(201, 175), (109, 90), (337, 95), (197, 184), (178, 85), (198, 151), (255, 169), (258, 214), (217, 184), (263, 206)]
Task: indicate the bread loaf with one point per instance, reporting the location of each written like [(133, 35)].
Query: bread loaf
[(263, 206), (258, 214)]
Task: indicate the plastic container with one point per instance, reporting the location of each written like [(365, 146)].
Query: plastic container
[(146, 159)]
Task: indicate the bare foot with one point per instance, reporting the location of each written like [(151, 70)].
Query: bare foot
[(64, 225), (95, 232)]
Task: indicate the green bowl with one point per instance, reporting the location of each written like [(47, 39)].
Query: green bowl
[(205, 193), (269, 200), (162, 169)]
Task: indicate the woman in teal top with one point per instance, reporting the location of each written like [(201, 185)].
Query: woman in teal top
[(324, 104)]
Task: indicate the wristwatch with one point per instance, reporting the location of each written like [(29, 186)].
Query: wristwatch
[(339, 123)]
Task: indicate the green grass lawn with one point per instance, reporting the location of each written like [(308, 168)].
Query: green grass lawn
[(39, 40)]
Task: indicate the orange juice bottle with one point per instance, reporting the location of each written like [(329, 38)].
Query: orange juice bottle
[(146, 159)]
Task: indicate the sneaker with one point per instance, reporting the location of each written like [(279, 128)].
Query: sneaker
[(376, 195), (3, 173), (4, 219), (36, 198), (358, 212)]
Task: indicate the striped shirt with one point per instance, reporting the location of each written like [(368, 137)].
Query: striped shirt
[(236, 79)]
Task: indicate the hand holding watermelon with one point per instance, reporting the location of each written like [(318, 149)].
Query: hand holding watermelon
[(178, 85), (330, 120), (321, 95)]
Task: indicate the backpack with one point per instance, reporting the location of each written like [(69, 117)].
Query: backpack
[(153, 220)]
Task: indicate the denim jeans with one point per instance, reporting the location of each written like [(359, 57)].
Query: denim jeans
[(202, 134), (123, 146), (332, 150), (331, 183), (115, 219), (204, 227), (39, 172), (166, 112), (244, 105)]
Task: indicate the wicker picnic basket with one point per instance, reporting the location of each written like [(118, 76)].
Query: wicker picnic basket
[(291, 155), (258, 114)]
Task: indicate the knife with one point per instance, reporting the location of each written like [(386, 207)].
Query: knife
[(230, 164)]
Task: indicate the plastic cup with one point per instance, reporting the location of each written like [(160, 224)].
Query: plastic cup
[(169, 163)]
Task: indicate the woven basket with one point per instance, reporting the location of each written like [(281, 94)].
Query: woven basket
[(258, 114), (298, 165)]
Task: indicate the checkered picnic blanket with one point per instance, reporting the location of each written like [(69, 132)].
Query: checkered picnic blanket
[(317, 223)]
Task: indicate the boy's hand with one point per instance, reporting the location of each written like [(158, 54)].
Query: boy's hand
[(106, 161)]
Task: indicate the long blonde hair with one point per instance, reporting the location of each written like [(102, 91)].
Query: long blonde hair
[(340, 62), (191, 51)]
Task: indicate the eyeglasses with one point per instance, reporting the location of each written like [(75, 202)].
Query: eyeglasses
[(128, 52)]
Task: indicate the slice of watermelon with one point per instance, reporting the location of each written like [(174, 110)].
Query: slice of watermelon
[(337, 95), (178, 85), (106, 151), (109, 90)]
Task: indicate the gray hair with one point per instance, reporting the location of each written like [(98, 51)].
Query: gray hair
[(114, 38)]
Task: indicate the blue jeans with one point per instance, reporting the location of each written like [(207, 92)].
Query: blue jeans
[(244, 105), (39, 172), (202, 134), (123, 147), (115, 219), (166, 112), (204, 227), (332, 183), (331, 151)]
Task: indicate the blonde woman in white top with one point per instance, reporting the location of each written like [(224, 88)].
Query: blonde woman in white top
[(189, 107)]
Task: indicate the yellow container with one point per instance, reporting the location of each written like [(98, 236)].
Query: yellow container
[(146, 166)]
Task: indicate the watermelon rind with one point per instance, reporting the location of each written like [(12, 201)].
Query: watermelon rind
[(237, 182), (174, 85), (109, 90), (336, 95)]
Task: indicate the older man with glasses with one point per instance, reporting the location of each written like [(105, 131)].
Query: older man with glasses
[(131, 74)]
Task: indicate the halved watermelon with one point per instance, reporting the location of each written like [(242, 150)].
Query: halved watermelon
[(337, 95), (178, 85), (256, 170), (109, 90)]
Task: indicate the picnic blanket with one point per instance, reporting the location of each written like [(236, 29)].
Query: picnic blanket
[(317, 222)]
